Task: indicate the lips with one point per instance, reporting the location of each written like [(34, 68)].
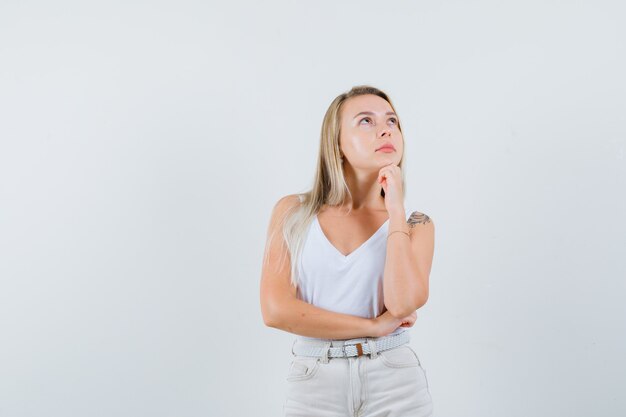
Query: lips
[(387, 146)]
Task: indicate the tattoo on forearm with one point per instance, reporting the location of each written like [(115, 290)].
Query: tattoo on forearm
[(417, 218)]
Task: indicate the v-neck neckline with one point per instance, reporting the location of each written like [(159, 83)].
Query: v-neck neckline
[(355, 251)]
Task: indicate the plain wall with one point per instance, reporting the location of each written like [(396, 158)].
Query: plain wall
[(144, 144)]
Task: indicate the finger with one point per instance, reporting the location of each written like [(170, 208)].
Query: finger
[(381, 173)]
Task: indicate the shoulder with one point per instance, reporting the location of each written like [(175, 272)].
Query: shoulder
[(288, 202), (417, 217), (421, 232), (285, 205), (418, 220)]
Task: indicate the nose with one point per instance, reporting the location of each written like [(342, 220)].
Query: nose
[(385, 132)]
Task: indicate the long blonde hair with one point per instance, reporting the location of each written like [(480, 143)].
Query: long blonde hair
[(329, 185)]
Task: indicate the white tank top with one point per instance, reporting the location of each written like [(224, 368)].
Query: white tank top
[(351, 284)]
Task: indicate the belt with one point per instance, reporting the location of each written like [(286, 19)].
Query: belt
[(349, 348)]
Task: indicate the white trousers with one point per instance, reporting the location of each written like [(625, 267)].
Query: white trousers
[(391, 383)]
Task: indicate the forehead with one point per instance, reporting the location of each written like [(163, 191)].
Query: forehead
[(366, 102)]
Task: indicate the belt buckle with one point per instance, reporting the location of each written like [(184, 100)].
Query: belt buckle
[(359, 349)]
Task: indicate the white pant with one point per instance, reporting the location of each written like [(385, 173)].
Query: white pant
[(391, 383)]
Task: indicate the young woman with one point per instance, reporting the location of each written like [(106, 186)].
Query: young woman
[(346, 266)]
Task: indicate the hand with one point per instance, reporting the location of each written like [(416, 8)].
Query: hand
[(386, 323), (390, 177), (409, 320)]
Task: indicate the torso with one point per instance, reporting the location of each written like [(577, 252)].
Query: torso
[(346, 278), (347, 232)]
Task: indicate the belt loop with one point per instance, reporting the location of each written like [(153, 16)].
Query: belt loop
[(325, 352), (373, 350)]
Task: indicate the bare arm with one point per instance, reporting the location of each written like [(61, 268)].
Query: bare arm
[(299, 317), (408, 263)]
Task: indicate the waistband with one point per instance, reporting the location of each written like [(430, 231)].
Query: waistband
[(341, 348)]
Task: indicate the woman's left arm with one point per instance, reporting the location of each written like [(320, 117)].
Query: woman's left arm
[(408, 263)]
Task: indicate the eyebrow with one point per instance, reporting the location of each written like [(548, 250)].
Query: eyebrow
[(372, 113)]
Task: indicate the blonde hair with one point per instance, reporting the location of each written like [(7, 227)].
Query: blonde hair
[(329, 185)]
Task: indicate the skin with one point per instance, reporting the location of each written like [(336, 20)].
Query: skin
[(408, 262), (366, 171), (365, 168)]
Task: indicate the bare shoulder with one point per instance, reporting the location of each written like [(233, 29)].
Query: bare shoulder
[(288, 202), (419, 219), (283, 206)]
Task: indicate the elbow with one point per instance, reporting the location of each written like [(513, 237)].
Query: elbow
[(401, 312), (422, 300), (271, 316), (398, 312), (268, 321)]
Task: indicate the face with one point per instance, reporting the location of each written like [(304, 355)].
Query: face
[(368, 123)]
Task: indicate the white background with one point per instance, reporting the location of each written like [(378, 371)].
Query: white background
[(144, 144)]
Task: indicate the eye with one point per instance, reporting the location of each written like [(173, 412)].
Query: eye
[(395, 121), (365, 118)]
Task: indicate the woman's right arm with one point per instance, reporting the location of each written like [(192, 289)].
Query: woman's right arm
[(282, 310), (299, 317)]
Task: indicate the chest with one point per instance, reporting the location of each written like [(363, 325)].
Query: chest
[(347, 235)]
